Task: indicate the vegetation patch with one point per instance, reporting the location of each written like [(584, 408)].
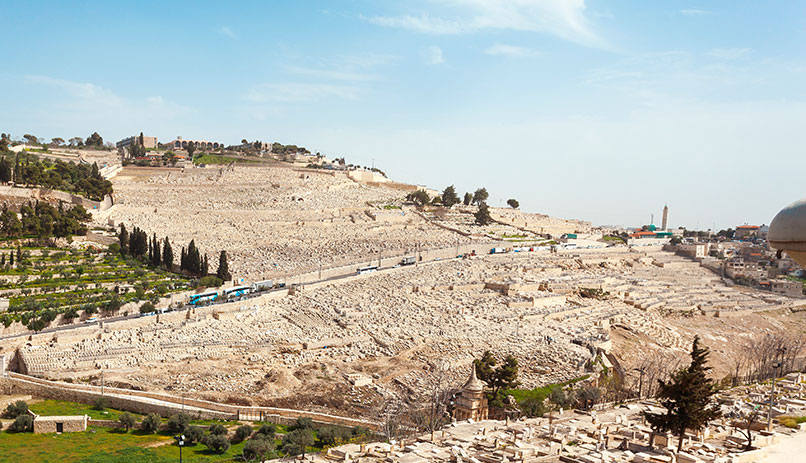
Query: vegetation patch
[(42, 282)]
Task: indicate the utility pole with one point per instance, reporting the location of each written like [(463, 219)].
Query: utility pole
[(102, 382), (640, 381)]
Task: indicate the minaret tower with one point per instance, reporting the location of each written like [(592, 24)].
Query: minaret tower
[(665, 217)]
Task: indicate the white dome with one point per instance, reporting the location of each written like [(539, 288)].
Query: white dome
[(788, 231), (788, 228)]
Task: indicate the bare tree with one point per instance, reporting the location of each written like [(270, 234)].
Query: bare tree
[(747, 420), (391, 415), (431, 413)]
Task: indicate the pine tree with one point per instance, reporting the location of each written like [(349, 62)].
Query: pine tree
[(449, 196), (483, 215), (167, 255), (468, 199), (687, 398), (223, 267)]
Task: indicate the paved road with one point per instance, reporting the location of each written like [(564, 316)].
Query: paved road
[(790, 450), (56, 329)]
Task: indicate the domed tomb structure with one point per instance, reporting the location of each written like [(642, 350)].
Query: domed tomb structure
[(471, 403), (788, 231)]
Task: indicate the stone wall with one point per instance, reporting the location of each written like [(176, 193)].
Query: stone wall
[(150, 402)]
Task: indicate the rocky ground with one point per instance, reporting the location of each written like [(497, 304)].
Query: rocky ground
[(397, 327)]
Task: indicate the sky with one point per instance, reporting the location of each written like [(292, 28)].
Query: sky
[(595, 110)]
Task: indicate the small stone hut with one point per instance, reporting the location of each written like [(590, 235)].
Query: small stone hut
[(45, 424)]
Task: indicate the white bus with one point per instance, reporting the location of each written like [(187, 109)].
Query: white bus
[(367, 269)]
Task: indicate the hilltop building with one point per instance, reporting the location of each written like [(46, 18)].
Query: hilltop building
[(179, 143), (146, 142), (471, 403)]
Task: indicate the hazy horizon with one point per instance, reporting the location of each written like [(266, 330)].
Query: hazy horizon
[(599, 111)]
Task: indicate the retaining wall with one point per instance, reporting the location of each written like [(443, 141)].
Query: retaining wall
[(138, 401)]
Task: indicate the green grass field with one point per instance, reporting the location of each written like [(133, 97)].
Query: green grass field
[(540, 393), (214, 159), (111, 445)]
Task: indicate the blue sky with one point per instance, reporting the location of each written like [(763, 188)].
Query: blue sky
[(598, 110)]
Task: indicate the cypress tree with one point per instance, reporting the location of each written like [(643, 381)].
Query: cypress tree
[(204, 267), (183, 260), (156, 258), (150, 253), (687, 398), (193, 259), (123, 239), (167, 255), (223, 267)]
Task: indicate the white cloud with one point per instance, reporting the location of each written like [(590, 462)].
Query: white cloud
[(224, 30), (68, 106), (694, 12), (332, 74), (434, 55), (729, 53), (83, 91), (563, 18), (511, 50), (423, 23), (300, 92)]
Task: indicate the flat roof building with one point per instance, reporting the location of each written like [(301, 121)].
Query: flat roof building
[(146, 142), (46, 424)]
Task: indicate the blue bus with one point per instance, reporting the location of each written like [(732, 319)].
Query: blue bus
[(203, 298), (236, 292)]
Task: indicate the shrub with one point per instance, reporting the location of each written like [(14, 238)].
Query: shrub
[(151, 423), (16, 409), (218, 430), (303, 423), (532, 407), (178, 423), (258, 448), (23, 423), (296, 441), (210, 281), (361, 431), (217, 443), (193, 434), (242, 433), (147, 307), (268, 430), (99, 404), (126, 420), (332, 435)]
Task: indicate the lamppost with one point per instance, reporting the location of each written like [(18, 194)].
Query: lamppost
[(181, 442), (775, 366)]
